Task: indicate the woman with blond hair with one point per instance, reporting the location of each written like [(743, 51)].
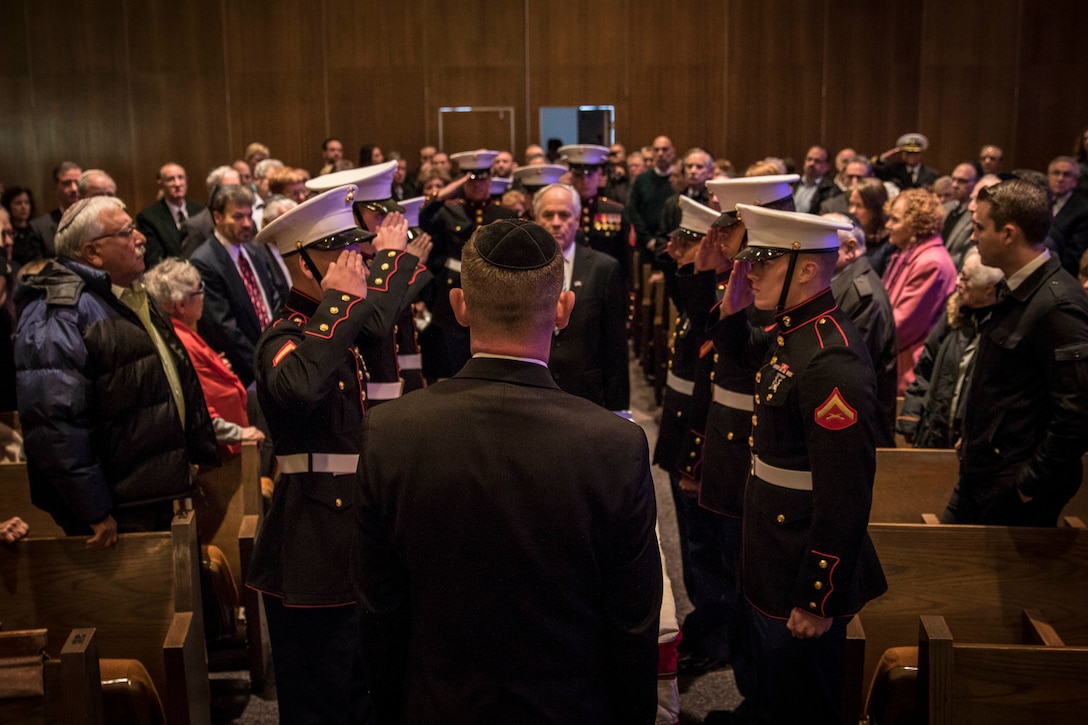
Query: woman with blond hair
[(920, 274)]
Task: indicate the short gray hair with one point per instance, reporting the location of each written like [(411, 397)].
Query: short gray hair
[(264, 166), (856, 232), (171, 280), (275, 206), (215, 175), (984, 276), (85, 180), (81, 223), (575, 198)]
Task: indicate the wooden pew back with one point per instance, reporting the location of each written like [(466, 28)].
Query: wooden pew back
[(978, 684), (979, 578), (912, 481), (224, 496), (142, 596), (15, 501)]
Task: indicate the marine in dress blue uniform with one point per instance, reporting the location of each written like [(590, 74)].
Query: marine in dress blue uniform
[(808, 562), (603, 225), (312, 388)]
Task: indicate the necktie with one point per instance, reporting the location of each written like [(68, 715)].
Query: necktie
[(181, 218), (253, 289)]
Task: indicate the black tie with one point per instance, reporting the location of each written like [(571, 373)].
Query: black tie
[(181, 218)]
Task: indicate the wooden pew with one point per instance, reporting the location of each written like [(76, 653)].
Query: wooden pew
[(912, 481), (979, 578), (142, 596), (229, 508), (1017, 684), (71, 683)]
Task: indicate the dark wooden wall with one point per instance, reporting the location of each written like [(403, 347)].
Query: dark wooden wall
[(128, 84)]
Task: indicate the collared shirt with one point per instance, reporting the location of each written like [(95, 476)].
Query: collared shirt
[(533, 360), (805, 193), (1024, 272), (136, 300), (234, 250), (568, 266), (1059, 203), (666, 173), (176, 209)]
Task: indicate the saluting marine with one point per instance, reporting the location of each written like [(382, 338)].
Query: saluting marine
[(312, 388)]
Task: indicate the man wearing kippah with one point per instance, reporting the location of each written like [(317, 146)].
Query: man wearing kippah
[(509, 563), (808, 564)]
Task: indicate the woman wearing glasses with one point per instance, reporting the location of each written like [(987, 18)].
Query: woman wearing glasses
[(176, 286)]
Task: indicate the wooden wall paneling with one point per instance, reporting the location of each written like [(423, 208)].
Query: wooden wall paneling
[(19, 161), (775, 78), (475, 56), (676, 75), (1052, 105), (968, 79), (577, 56), (872, 77), (179, 93), (79, 74), (376, 76), (275, 75)]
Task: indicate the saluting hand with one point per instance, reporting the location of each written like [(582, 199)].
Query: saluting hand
[(421, 247), (738, 293), (347, 274), (393, 233)]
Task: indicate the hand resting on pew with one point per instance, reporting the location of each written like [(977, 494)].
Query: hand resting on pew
[(105, 534), (13, 529)]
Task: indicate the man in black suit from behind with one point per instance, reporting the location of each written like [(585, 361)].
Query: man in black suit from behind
[(508, 561), (161, 222), (589, 355)]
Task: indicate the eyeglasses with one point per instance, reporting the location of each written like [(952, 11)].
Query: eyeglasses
[(198, 291), (125, 233)]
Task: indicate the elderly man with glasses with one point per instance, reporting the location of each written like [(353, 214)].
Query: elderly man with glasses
[(111, 408)]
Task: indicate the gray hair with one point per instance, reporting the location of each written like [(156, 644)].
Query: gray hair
[(81, 223), (85, 180), (230, 194), (171, 280), (215, 175), (275, 206), (984, 276), (856, 232), (575, 198), (264, 166)]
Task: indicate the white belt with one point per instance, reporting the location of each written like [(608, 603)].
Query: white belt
[(680, 385), (784, 477), (384, 391), (338, 464), (453, 265), (733, 400), (410, 362)]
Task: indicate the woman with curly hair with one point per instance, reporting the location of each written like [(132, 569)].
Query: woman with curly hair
[(866, 204), (920, 274)]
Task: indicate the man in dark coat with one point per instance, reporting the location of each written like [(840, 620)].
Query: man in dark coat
[(509, 567), (161, 222), (111, 408)]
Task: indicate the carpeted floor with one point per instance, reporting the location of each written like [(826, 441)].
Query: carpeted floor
[(698, 695)]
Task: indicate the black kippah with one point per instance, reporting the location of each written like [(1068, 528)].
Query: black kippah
[(515, 244)]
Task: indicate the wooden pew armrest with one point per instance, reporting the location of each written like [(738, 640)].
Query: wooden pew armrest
[(931, 519), (81, 679), (935, 670), (188, 696)]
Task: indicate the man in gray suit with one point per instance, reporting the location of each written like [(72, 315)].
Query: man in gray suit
[(957, 220)]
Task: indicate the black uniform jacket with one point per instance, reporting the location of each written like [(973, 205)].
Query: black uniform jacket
[(604, 227), (815, 412), (509, 561), (312, 389)]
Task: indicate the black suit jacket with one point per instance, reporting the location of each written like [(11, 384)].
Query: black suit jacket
[(45, 227), (229, 323), (159, 226), (508, 556), (1071, 231), (195, 230), (589, 355), (898, 174)]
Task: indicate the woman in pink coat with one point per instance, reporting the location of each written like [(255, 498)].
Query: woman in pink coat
[(920, 275)]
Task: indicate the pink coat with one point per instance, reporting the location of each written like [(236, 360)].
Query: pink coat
[(919, 280)]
